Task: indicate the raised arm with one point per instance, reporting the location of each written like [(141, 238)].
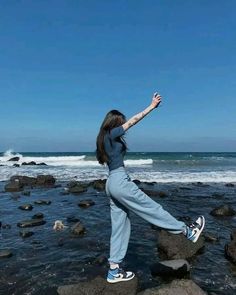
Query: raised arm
[(156, 100)]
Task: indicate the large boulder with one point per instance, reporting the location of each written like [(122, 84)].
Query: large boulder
[(176, 287), (29, 163), (167, 268), (172, 246), (24, 180), (14, 186), (45, 180), (14, 159), (99, 184), (230, 249), (99, 286), (224, 210), (76, 187)]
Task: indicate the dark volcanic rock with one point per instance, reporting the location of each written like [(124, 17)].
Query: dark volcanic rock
[(167, 268), (176, 287), (229, 184), (14, 159), (136, 181), (45, 180), (27, 207), (230, 249), (78, 229), (31, 223), (174, 246), (38, 216), (42, 164), (16, 165), (86, 203), (99, 184), (224, 210), (99, 286), (42, 202), (5, 254), (29, 163), (14, 186), (76, 187), (24, 180), (26, 234)]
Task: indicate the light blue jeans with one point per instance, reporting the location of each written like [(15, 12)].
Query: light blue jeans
[(126, 196)]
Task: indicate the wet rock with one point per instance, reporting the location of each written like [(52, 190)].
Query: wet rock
[(5, 254), (78, 229), (75, 187), (26, 193), (136, 181), (45, 180), (16, 165), (26, 234), (149, 182), (172, 246), (38, 216), (42, 202), (229, 185), (176, 287), (230, 249), (185, 188), (86, 203), (42, 164), (27, 207), (72, 219), (175, 268), (99, 184), (24, 180), (31, 223), (210, 238), (29, 163), (152, 193), (223, 210), (99, 286), (6, 226), (199, 183), (14, 186), (14, 159)]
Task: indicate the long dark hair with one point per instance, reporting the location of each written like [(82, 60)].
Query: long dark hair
[(112, 119)]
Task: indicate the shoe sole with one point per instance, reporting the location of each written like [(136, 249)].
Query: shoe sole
[(200, 230), (120, 279)]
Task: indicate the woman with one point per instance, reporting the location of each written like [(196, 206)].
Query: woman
[(124, 195)]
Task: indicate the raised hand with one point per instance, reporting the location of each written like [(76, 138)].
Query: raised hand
[(156, 100)]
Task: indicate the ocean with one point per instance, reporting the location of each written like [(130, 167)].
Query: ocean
[(145, 166)]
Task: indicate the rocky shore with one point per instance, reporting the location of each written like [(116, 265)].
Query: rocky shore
[(164, 263)]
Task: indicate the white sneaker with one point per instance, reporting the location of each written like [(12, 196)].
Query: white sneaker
[(119, 275), (194, 230)]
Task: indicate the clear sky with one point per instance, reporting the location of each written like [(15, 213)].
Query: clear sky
[(65, 64)]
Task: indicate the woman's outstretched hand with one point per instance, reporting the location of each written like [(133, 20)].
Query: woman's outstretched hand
[(156, 100)]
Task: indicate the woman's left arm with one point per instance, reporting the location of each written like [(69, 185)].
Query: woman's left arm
[(156, 100)]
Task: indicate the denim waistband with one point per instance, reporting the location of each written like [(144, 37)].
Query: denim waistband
[(119, 169)]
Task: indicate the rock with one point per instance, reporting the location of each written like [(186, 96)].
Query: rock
[(99, 286), (38, 216), (185, 188), (230, 249), (86, 203), (176, 287), (27, 207), (223, 210), (24, 180), (16, 165), (72, 219), (152, 193), (42, 202), (45, 180), (76, 187), (136, 181), (29, 163), (14, 159), (99, 184), (210, 238), (229, 184), (42, 164), (31, 223), (15, 186), (5, 254), (149, 183), (199, 183), (167, 268), (26, 193), (174, 246), (26, 234), (100, 260), (78, 229)]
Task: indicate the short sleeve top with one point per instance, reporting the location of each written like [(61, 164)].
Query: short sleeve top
[(114, 148)]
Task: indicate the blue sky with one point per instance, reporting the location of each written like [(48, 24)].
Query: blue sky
[(65, 64)]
